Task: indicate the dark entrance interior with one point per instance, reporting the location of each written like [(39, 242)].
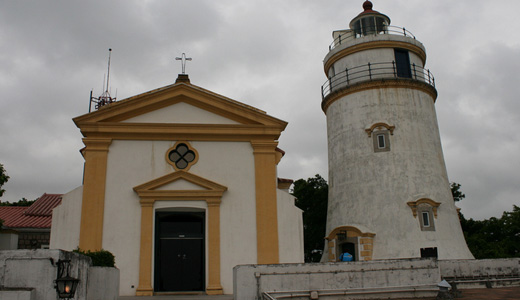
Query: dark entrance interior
[(350, 248), (402, 63), (179, 252), (429, 252)]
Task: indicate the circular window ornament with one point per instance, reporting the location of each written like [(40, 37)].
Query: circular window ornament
[(181, 156)]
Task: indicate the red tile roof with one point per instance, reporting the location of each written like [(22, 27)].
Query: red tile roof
[(44, 205), (38, 215)]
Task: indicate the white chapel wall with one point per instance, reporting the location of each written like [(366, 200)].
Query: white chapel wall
[(131, 163), (290, 229), (66, 221)]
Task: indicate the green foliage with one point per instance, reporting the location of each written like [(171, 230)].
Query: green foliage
[(491, 238), (494, 237), (3, 179), (101, 258), (456, 192), (21, 202), (311, 196)]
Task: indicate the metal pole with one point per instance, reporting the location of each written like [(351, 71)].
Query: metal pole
[(90, 102), (108, 73), (369, 71)]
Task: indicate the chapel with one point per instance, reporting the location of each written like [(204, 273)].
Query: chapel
[(181, 185)]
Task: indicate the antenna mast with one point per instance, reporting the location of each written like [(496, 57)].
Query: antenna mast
[(105, 97)]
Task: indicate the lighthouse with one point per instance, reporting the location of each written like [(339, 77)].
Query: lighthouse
[(389, 194)]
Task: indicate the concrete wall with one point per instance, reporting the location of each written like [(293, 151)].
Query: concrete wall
[(250, 281), (8, 240), (102, 283), (66, 219), (35, 271), (289, 218), (480, 268)]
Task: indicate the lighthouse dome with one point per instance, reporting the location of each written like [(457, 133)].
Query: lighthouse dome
[(369, 21)]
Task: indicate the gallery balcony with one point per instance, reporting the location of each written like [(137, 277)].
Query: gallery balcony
[(382, 71), (342, 37)]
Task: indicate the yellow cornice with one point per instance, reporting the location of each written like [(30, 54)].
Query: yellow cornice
[(378, 84), (192, 132), (210, 188), (264, 146), (414, 204), (353, 230), (374, 45), (379, 126), (96, 144), (193, 95)]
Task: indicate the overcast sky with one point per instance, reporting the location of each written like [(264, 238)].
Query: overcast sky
[(268, 54)]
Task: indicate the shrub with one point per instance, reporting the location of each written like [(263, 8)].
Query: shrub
[(101, 258)]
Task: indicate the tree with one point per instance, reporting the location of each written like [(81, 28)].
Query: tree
[(311, 196), (456, 192), (3, 179), (21, 202), (493, 237)]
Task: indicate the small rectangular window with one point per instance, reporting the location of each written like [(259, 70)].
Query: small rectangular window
[(381, 144), (426, 219), (381, 141)]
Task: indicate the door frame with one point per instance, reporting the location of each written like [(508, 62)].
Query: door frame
[(149, 193)]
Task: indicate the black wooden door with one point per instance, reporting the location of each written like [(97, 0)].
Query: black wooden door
[(179, 252)]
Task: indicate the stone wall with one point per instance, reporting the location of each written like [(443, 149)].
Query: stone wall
[(30, 274), (389, 278), (481, 273), (33, 240)]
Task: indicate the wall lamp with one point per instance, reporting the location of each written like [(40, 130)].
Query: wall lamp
[(65, 284)]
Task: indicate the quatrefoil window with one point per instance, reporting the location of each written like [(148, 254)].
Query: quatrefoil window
[(181, 156)]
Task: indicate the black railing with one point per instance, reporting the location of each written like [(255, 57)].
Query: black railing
[(351, 34), (376, 71)]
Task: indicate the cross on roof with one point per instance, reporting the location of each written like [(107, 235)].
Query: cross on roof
[(183, 60)]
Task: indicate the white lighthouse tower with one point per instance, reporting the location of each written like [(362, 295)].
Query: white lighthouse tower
[(389, 195)]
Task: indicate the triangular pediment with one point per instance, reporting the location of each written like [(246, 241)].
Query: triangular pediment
[(181, 113), (166, 104), (180, 185)]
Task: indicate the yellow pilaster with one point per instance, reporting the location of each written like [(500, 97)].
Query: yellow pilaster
[(266, 203), (93, 203), (145, 258), (214, 287)]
